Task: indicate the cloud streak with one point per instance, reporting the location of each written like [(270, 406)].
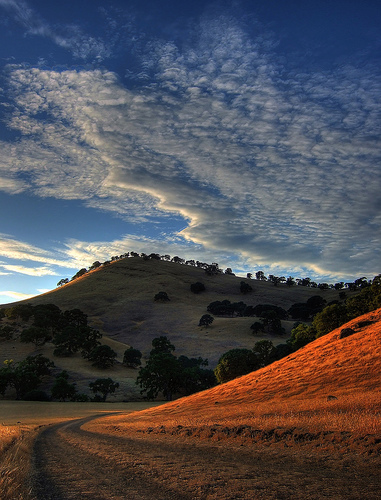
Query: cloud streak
[(72, 38), (278, 166)]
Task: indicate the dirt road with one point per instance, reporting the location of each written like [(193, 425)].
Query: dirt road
[(71, 464)]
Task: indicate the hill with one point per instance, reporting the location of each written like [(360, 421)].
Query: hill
[(329, 389), (119, 301)]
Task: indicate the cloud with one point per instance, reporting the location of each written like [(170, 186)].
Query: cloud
[(20, 250), (81, 45), (30, 271), (16, 295), (260, 161)]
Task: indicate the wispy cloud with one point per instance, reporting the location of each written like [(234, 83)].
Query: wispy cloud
[(278, 166), (71, 37), (16, 295), (20, 250), (30, 271)]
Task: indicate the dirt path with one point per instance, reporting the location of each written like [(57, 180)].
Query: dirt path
[(71, 463)]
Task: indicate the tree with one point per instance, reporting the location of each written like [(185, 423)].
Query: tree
[(264, 350), (104, 386), (290, 281), (6, 332), (26, 375), (62, 389), (272, 322), (63, 282), (161, 297), (197, 287), (74, 334), (132, 357), (260, 275), (22, 311), (166, 374), (257, 327), (249, 276), (38, 336), (161, 345), (275, 280), (235, 363), (330, 318), (95, 265), (206, 320), (47, 316), (102, 356), (89, 340), (80, 273), (245, 287), (194, 377), (301, 335), (162, 373)]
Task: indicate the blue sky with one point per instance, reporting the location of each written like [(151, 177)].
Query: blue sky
[(244, 133)]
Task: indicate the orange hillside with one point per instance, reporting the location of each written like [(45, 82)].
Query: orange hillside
[(331, 383)]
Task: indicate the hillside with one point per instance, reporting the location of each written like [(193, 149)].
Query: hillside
[(331, 385), (119, 302)]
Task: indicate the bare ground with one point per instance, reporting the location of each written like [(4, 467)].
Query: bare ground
[(71, 463)]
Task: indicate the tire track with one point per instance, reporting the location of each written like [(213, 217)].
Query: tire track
[(71, 463)]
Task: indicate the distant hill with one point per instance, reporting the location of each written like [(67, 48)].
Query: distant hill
[(119, 301)]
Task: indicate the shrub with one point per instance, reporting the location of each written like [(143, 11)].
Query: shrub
[(235, 363), (197, 287), (161, 297)]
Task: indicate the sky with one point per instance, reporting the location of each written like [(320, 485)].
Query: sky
[(240, 132)]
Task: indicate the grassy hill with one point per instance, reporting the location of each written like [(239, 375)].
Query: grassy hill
[(330, 386), (119, 301)]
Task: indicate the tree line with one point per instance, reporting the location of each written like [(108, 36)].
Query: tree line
[(214, 269)]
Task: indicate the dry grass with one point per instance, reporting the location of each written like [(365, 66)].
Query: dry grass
[(17, 438), (289, 394), (15, 455)]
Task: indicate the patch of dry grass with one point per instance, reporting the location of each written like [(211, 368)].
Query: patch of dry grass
[(15, 455)]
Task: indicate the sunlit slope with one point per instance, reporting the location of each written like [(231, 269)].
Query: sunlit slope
[(119, 300), (347, 368)]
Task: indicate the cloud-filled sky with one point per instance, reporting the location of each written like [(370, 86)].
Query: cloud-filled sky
[(242, 132)]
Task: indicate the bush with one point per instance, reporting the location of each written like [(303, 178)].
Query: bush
[(235, 363), (161, 297), (206, 320), (132, 357), (102, 356), (197, 287)]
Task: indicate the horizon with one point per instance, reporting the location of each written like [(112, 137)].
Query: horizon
[(230, 132)]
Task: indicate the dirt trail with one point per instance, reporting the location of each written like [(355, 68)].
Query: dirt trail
[(71, 463)]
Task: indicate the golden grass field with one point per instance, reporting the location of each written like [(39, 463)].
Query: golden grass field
[(331, 385)]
